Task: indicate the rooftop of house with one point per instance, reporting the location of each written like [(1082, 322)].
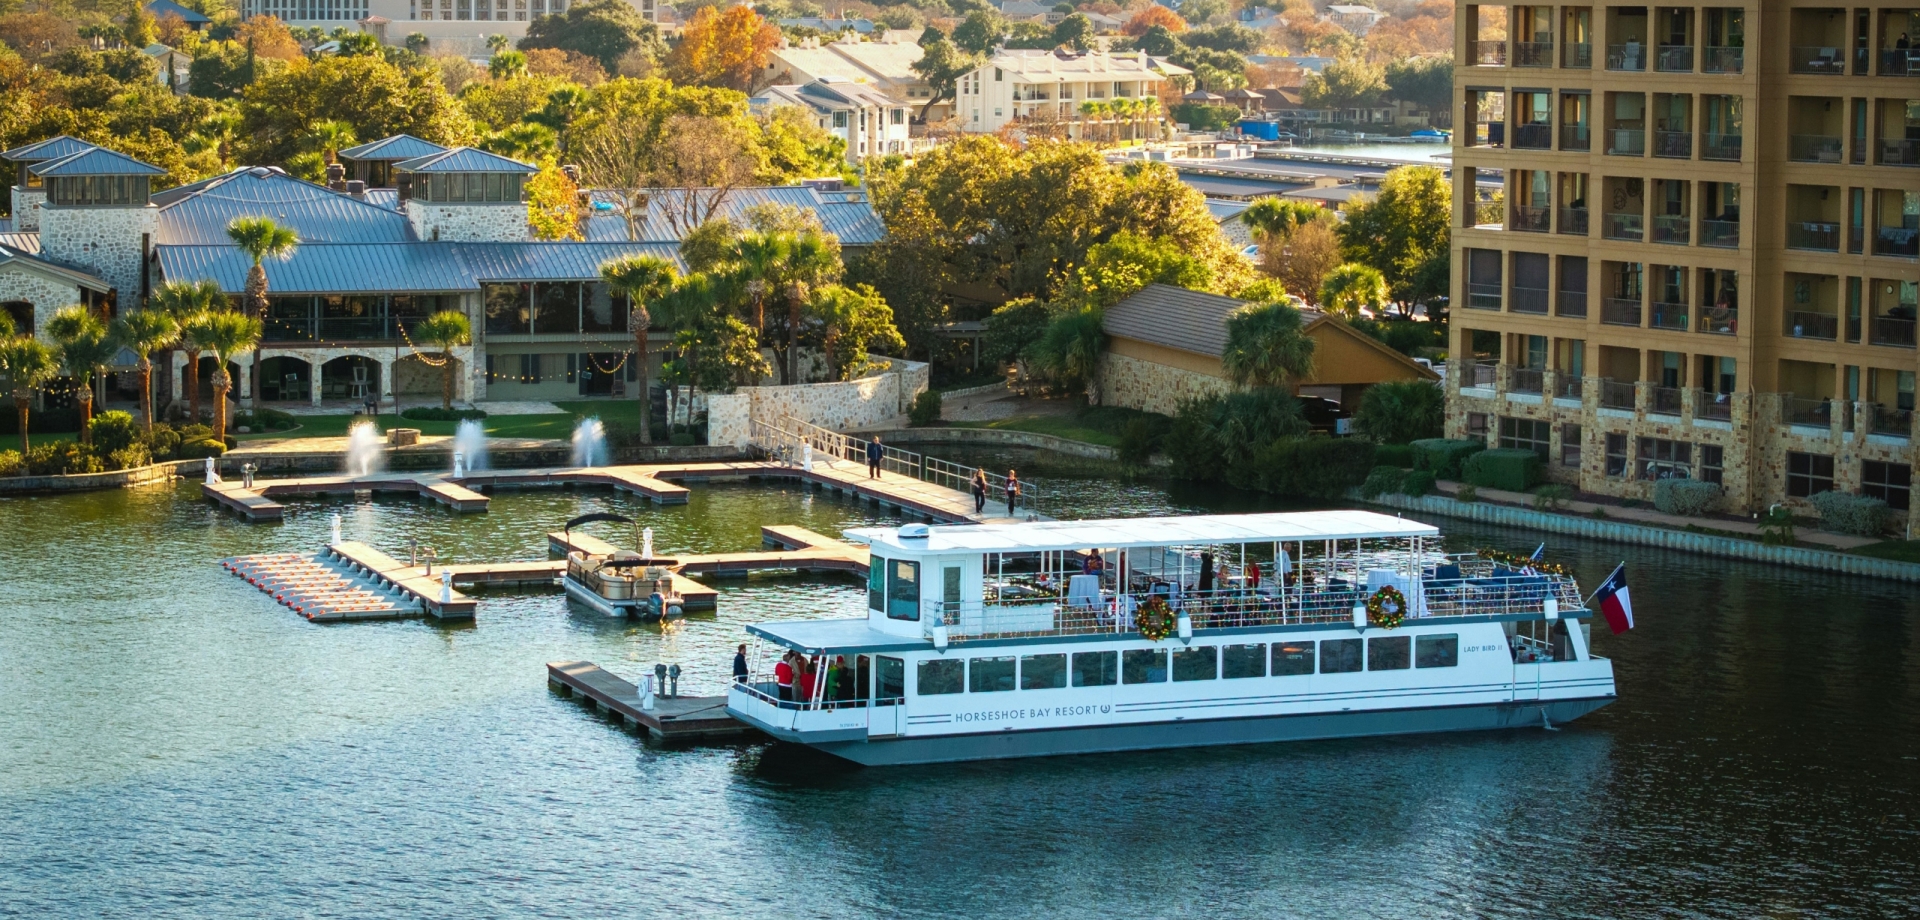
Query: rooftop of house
[(94, 161), (862, 26), (1041, 63), (464, 160), (410, 267), (161, 9), (827, 94), (53, 148), (27, 256), (849, 216), (883, 61), (1196, 322), (397, 147), (199, 212)]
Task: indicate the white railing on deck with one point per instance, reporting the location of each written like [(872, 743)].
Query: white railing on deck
[(784, 437)]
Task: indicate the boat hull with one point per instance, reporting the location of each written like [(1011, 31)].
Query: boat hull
[(638, 607), (1204, 733)]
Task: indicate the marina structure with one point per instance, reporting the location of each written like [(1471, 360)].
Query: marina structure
[(1025, 639)]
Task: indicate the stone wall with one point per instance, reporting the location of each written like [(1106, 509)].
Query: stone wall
[(102, 241), (46, 294), (1136, 384), (842, 406), (468, 223), (26, 208)]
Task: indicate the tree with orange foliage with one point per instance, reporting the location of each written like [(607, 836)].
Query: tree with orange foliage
[(1155, 15), (727, 49), (267, 37)]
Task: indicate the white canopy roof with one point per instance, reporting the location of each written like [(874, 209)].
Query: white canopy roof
[(1119, 533)]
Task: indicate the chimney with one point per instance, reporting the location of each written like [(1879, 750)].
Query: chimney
[(336, 177), (357, 189), (572, 173)]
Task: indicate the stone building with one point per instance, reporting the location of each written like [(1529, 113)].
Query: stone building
[(1738, 311)]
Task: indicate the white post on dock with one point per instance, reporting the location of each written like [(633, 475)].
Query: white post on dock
[(806, 457), (336, 530), (646, 693), (459, 464), (446, 587), (646, 543), (213, 475)]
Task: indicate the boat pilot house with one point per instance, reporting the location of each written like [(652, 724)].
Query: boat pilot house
[(1068, 636)]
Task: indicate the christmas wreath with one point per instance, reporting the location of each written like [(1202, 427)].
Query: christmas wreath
[(1155, 619), (1387, 607)]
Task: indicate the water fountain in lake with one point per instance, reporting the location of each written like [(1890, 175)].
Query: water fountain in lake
[(590, 443), (469, 447), (366, 450)]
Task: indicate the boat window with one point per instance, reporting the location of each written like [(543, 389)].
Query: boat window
[(1245, 661), (1043, 672), (1143, 666), (950, 589), (1436, 651), (1339, 656), (990, 675), (942, 675), (1389, 653), (903, 590), (877, 584), (1095, 669), (1293, 658), (890, 679), (1201, 662)]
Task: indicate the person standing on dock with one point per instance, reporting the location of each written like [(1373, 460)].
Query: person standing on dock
[(1013, 490), (740, 664), (874, 452), (783, 676), (979, 491)]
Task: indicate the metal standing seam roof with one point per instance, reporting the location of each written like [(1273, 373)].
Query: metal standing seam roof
[(554, 261), (53, 148), (463, 160), (12, 256), (27, 242), (413, 267), (1174, 317), (397, 147), (854, 222), (94, 161), (1124, 533), (164, 8), (315, 213)]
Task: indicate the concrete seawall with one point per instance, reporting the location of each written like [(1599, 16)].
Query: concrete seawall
[(1705, 544)]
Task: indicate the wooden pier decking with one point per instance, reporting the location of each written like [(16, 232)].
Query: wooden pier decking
[(671, 717)]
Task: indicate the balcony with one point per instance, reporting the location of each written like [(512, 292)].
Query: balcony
[(1526, 380), (354, 329), (1813, 235), (1671, 229), (1663, 401), (1533, 54), (1625, 227), (1529, 300), (1533, 137), (1573, 221), (1573, 304), (1576, 137), (1566, 386), (1898, 242), (1813, 148), (1616, 311), (1616, 395), (1577, 56), (1674, 145), (1674, 59), (1483, 376), (1817, 413), (1530, 219), (1723, 60), (1713, 406), (1899, 152), (1803, 325), (1488, 54), (1895, 422), (1892, 330), (1718, 320), (1627, 142), (1721, 234), (1669, 316), (1900, 62), (1483, 296), (1723, 147), (1812, 59), (1630, 56)]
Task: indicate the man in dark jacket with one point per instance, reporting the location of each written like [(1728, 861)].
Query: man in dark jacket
[(740, 664), (874, 453)]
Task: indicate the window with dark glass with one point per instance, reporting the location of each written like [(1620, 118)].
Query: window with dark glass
[(1526, 434), (890, 678), (1339, 656), (1292, 658), (877, 583), (1436, 651), (903, 590), (1477, 424), (941, 675), (1570, 445), (1198, 662), (557, 307), (509, 308), (1238, 661), (1095, 669), (1711, 464), (1143, 666), (1043, 672), (990, 675), (1808, 474), (1661, 458), (605, 310), (1890, 482), (1389, 653), (1616, 454)]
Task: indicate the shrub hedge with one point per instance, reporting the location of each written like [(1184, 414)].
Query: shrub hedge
[(1510, 468), (206, 447), (925, 409), (1400, 455), (1417, 483), (1313, 467), (1381, 480), (1844, 512), (1443, 457), (1685, 497)]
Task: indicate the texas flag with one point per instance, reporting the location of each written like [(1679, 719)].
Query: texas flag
[(1614, 600)]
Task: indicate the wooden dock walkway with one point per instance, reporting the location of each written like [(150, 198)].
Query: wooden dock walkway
[(689, 717)]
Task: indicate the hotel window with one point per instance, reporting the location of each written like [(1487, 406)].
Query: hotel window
[(990, 675), (1570, 446), (1238, 661), (1143, 666), (1710, 464), (1291, 658), (1664, 459), (1199, 662), (1890, 482), (1808, 474), (1390, 653), (1043, 672), (1436, 651), (1526, 434), (1476, 424), (520, 10), (839, 119), (1616, 454), (1095, 669), (941, 675), (1339, 656)]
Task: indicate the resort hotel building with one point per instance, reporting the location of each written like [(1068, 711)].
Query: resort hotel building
[(404, 229), (1704, 264)]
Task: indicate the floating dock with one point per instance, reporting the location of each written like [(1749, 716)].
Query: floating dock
[(689, 717), (349, 581)]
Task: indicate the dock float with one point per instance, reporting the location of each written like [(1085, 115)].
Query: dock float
[(800, 550), (671, 718)]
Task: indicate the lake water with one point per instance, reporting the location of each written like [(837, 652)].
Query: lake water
[(175, 744)]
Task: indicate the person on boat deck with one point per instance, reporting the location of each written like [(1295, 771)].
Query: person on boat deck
[(874, 452), (740, 664), (1013, 490), (1206, 573), (833, 678), (843, 688), (803, 679), (1253, 576), (1093, 565), (783, 676), (979, 491)]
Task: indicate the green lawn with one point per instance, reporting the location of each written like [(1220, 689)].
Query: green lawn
[(1060, 426), (1897, 550)]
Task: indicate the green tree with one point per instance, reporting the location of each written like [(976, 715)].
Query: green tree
[(1352, 288), (642, 280), (260, 239), (186, 302), (1404, 232), (1267, 346), (941, 65), (1013, 326), (1157, 41), (506, 65), (85, 348), (226, 334), (1348, 83), (447, 330), (1075, 31), (377, 98), (854, 321), (1423, 81), (812, 260), (417, 42), (979, 32), (1272, 218), (1228, 36), (1399, 411), (604, 30), (331, 137), (359, 44), (1123, 265), (29, 365), (1069, 352), (145, 332), (497, 43)]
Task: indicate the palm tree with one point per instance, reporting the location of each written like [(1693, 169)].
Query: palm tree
[(225, 334), (1126, 109), (1353, 287), (496, 43), (261, 239), (641, 279), (758, 257), (448, 329), (145, 332), (332, 137), (809, 260), (1070, 350), (1267, 346), (1089, 109), (687, 308), (185, 301), (29, 363), (505, 65), (85, 348), (1148, 109)]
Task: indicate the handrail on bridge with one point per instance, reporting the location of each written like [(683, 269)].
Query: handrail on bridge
[(782, 438)]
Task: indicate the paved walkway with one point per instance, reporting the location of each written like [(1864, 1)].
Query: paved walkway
[(1658, 519)]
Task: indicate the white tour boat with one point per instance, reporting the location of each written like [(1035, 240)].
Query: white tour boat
[(989, 641), (622, 582)]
